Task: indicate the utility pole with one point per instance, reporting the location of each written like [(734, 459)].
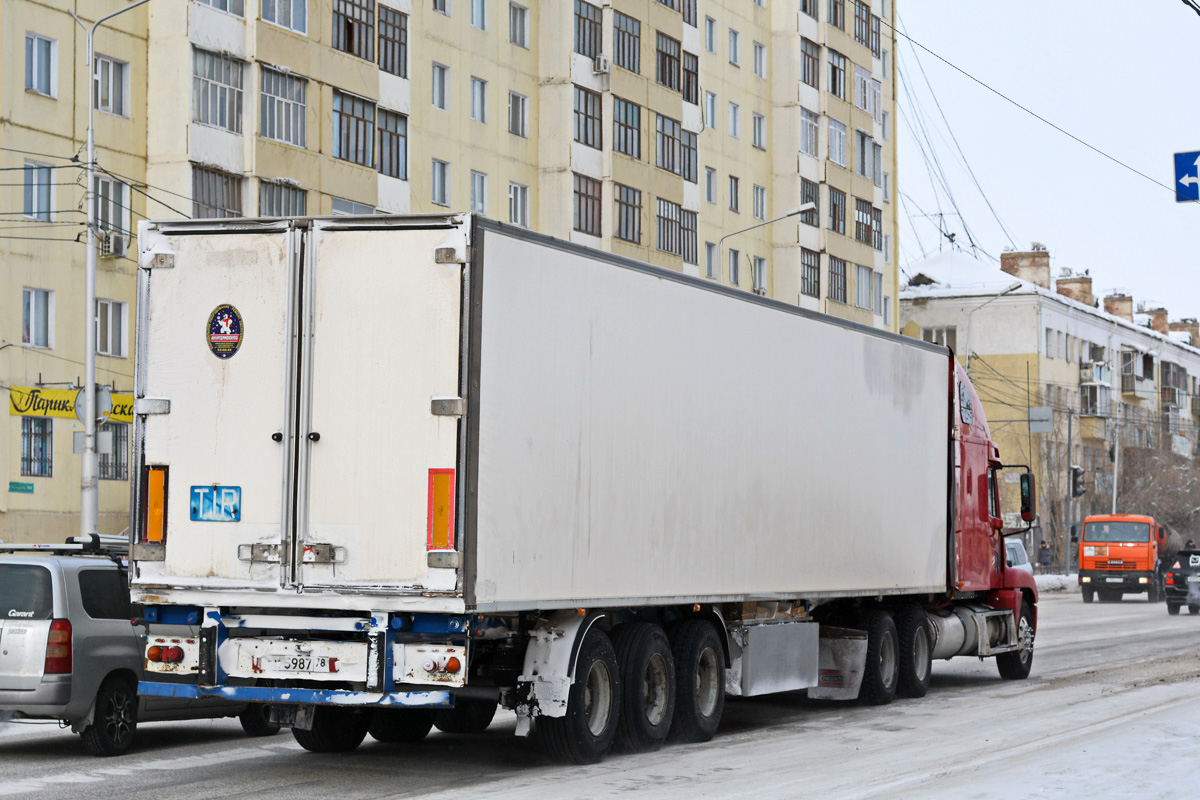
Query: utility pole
[(89, 484), (1070, 500), (1116, 468)]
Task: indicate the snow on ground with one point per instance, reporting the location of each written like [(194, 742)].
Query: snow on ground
[(1057, 583)]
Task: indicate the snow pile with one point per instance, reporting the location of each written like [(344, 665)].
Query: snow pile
[(1057, 583)]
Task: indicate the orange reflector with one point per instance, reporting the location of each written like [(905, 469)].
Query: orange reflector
[(453, 664), (582, 612), (441, 510), (155, 653), (155, 529)]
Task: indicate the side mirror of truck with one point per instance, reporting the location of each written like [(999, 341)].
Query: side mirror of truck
[(1028, 498)]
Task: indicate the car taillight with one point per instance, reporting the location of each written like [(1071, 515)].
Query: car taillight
[(154, 515), (1170, 579), (58, 648)]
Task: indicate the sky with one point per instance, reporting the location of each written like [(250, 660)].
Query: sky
[(1121, 75)]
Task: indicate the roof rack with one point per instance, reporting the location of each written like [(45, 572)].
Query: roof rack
[(76, 545)]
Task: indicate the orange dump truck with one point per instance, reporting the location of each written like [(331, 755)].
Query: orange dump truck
[(1121, 554)]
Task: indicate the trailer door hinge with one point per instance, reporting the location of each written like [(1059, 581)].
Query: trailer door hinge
[(448, 407)]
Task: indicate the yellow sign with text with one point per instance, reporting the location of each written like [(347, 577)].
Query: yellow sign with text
[(30, 401)]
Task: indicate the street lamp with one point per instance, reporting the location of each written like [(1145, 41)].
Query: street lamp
[(89, 484), (1012, 288), (795, 212)]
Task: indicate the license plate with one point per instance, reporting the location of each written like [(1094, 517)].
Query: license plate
[(215, 503), (301, 663), (1115, 580), (1193, 578)]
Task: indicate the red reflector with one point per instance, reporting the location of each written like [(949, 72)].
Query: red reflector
[(155, 653), (58, 648), (173, 655)]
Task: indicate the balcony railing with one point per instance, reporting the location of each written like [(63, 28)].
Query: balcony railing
[(1095, 372)]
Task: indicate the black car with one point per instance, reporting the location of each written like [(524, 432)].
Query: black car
[(1183, 582)]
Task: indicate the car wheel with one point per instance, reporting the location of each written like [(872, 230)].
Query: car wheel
[(648, 686), (400, 725), (1015, 665), (467, 716), (881, 674), (916, 652), (585, 734), (1172, 608), (699, 681), (114, 721), (256, 720), (1089, 594), (334, 730)]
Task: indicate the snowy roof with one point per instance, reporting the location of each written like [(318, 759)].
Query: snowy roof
[(1183, 337), (1141, 319)]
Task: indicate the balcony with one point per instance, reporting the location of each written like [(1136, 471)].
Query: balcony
[(1095, 372), (1137, 385)]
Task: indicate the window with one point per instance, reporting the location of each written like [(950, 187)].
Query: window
[(735, 260), (810, 192), (868, 92), (111, 197), (883, 123), (281, 200), (944, 336), (518, 25), (41, 64), (235, 7), (668, 156), (627, 128), (862, 221), (442, 6), (862, 23), (735, 117), (877, 164), (837, 142), (353, 129), (479, 14), (587, 29), (671, 4), (710, 34), (876, 39), (689, 12), (878, 299), (37, 447), (864, 287), (291, 14), (111, 86), (667, 62), (710, 260), (354, 27), (864, 163), (587, 205), (215, 194), (760, 60), (760, 201), (587, 117), (518, 204), (393, 144), (885, 64), (837, 74), (217, 90), (282, 108), (441, 86), (478, 192), (517, 114), (808, 132), (343, 207), (734, 39), (837, 280), (37, 318), (629, 213), (691, 78), (110, 328), (479, 100), (393, 42), (837, 13), (887, 195), (103, 591), (837, 211), (810, 64), (758, 274), (688, 220), (627, 42), (670, 238), (710, 109), (810, 272), (734, 201), (809, 7), (38, 190), (758, 131), (887, 310), (688, 157), (877, 228), (441, 183), (710, 185)]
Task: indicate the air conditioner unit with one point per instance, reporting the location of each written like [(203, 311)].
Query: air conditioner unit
[(113, 245), (601, 65)]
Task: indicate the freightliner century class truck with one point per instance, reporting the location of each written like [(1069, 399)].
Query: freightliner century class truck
[(397, 471)]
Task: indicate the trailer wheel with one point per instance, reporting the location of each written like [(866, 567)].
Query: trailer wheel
[(1089, 594), (881, 673), (916, 652), (1014, 666), (699, 681), (401, 725), (585, 734), (1172, 608), (334, 730), (467, 716), (648, 686)]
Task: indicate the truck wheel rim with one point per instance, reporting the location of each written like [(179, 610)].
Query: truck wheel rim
[(706, 682), (1024, 639), (921, 654), (655, 689), (597, 698), (887, 659)]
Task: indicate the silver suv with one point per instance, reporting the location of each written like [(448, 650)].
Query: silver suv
[(69, 652)]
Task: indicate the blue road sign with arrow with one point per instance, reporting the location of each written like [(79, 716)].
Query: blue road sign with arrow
[(1187, 177)]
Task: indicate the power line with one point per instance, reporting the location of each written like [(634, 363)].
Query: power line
[(41, 155), (1192, 5)]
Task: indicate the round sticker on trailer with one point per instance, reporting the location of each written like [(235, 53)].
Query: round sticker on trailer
[(225, 331)]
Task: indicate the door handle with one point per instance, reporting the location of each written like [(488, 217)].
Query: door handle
[(314, 436)]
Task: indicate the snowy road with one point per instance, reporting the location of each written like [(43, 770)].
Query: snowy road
[(1112, 710)]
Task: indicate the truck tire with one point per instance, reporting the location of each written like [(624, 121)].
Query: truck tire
[(699, 681), (256, 720), (647, 669), (586, 733), (881, 674), (1172, 608), (467, 716), (1088, 594), (916, 652), (1014, 666), (334, 730), (114, 721), (401, 725)]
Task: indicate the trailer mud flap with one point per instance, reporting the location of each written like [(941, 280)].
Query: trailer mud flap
[(841, 662)]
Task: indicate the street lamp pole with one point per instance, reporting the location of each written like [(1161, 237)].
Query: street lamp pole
[(89, 484), (1016, 285), (793, 213)]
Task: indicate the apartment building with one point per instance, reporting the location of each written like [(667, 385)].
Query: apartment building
[(1102, 373), (651, 128)]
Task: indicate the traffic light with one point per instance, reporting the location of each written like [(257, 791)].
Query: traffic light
[(1077, 489)]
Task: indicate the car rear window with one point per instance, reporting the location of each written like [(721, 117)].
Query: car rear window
[(25, 592), (104, 593)]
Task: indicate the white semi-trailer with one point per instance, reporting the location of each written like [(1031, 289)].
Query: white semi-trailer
[(399, 470)]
